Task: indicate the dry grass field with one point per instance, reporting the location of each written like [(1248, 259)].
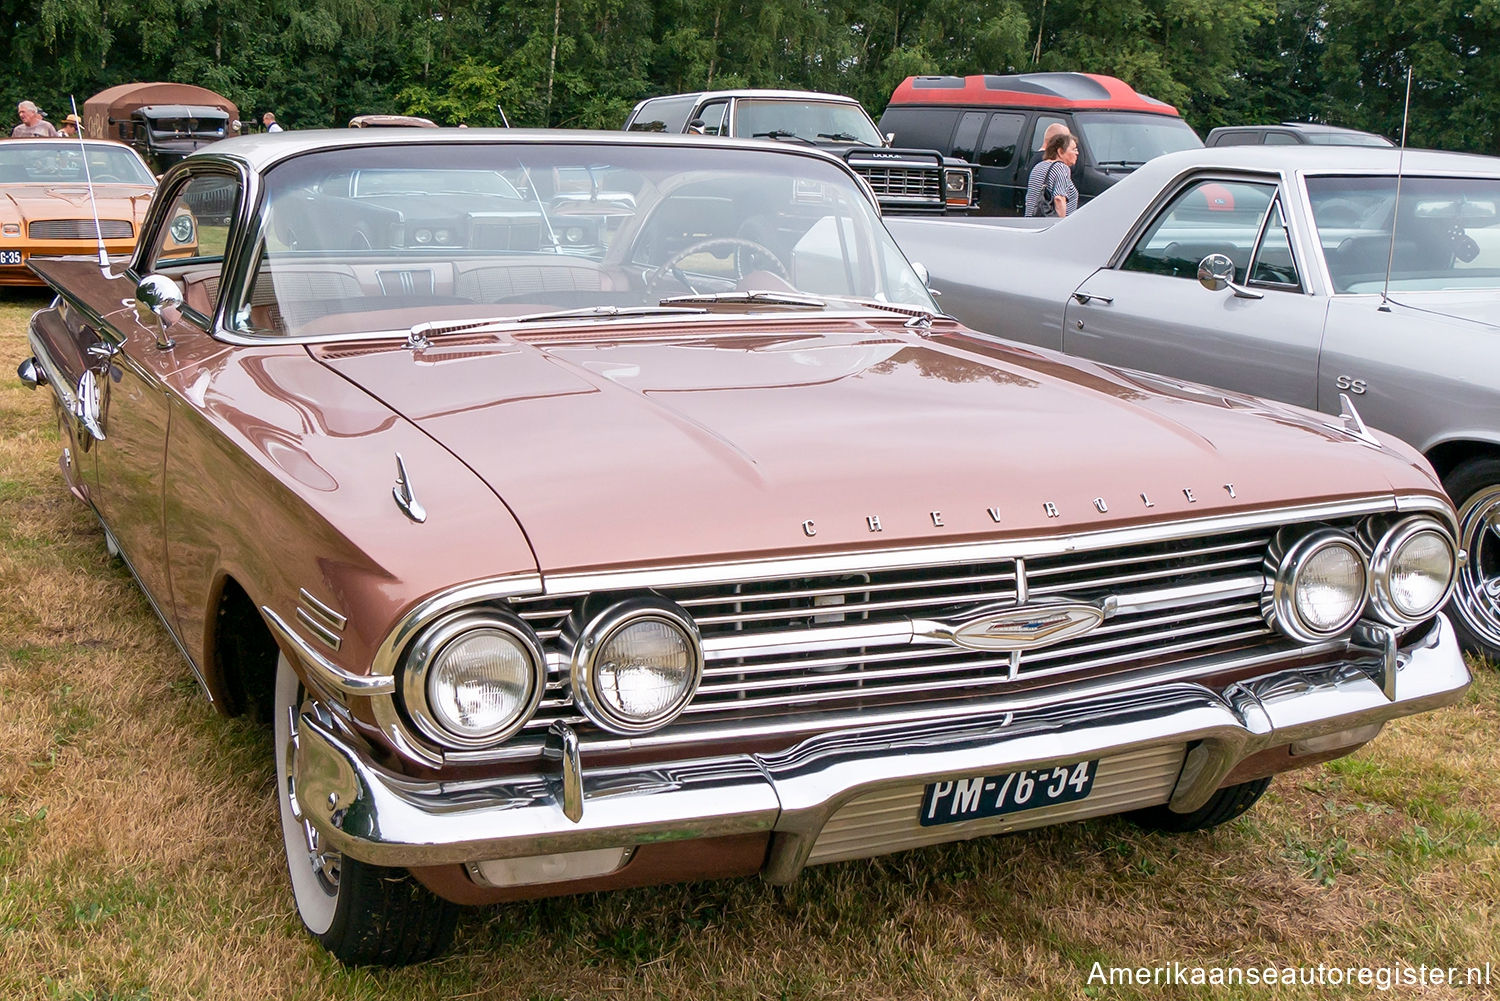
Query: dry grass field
[(139, 852)]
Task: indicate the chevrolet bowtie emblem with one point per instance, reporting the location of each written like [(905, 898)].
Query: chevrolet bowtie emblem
[(1025, 627)]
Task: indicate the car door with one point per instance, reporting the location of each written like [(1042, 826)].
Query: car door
[(1147, 309), (138, 364)]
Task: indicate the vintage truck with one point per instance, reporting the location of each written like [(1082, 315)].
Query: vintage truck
[(163, 121)]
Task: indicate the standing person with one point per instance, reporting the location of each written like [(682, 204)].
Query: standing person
[(1050, 189), (71, 126), (33, 125), (269, 121)]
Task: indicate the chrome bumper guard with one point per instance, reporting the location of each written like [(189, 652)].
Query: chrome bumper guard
[(375, 815)]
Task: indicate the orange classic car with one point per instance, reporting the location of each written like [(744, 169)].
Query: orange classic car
[(569, 551), (46, 208)]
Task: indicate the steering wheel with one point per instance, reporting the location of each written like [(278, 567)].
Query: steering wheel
[(107, 178), (738, 243)]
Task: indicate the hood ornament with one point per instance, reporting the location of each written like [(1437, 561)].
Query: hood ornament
[(406, 500)]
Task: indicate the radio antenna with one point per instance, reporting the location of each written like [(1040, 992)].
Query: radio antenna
[(1385, 292), (88, 177)]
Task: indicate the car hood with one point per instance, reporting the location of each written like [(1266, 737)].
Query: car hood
[(28, 202), (764, 439), (1479, 306)]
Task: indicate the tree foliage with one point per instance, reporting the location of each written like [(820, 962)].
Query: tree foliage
[(584, 63)]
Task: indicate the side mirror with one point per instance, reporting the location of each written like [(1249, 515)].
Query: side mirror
[(158, 304), (1215, 272), (922, 274), (890, 138)]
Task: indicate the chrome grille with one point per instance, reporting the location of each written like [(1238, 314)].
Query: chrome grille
[(80, 229), (886, 821), (825, 646), (904, 183)]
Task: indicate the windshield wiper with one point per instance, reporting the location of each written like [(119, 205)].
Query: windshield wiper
[(422, 332), (919, 317), (782, 134), (844, 137), (750, 298), (1119, 163)]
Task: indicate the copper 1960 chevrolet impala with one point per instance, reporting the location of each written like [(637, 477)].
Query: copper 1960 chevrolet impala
[(594, 510)]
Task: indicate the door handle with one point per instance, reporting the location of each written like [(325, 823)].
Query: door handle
[(1084, 298)]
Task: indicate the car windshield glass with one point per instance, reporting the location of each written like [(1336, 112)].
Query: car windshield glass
[(1447, 232), (1128, 139), (378, 238), (805, 120), (55, 161), (206, 126)]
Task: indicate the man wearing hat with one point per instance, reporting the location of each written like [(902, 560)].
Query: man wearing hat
[(32, 123), (71, 126)]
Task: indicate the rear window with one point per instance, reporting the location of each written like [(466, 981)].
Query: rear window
[(921, 128)]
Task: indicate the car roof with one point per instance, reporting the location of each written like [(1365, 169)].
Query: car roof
[(1052, 91), (784, 95), (1325, 159), (262, 150), (1317, 127)]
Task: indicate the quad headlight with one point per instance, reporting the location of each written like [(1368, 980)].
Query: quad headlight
[(1317, 585), (636, 665), (182, 229), (473, 679), (1412, 571)]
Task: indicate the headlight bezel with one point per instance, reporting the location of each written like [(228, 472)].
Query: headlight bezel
[(595, 636), (428, 648), (1383, 554), (1279, 604), (187, 221)]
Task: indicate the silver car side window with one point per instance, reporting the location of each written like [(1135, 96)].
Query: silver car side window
[(190, 247), (1275, 264), (1206, 217)]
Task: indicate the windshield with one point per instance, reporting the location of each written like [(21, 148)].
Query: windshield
[(1447, 232), (205, 126), (1129, 139), (60, 161), (834, 121), (379, 238)]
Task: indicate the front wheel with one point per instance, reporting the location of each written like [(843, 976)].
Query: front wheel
[(364, 914), (1474, 608), (1222, 807)]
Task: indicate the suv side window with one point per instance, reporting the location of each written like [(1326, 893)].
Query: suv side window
[(662, 114), (1039, 129), (999, 146), (966, 139), (1281, 139), (1206, 217)]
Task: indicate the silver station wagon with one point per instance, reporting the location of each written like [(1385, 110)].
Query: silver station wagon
[(1295, 273)]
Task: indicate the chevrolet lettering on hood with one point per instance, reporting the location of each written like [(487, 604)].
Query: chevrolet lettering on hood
[(584, 511)]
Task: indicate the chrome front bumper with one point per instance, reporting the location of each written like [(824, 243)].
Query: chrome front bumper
[(375, 815)]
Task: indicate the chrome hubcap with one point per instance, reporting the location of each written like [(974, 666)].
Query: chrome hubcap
[(1476, 599)]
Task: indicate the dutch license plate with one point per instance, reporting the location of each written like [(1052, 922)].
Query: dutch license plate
[(991, 795), (10, 257)]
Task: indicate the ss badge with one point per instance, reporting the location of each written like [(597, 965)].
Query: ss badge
[(1350, 384)]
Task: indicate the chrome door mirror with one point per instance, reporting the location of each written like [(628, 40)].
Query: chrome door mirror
[(1215, 272), (31, 374), (88, 409), (158, 303), (921, 270)]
